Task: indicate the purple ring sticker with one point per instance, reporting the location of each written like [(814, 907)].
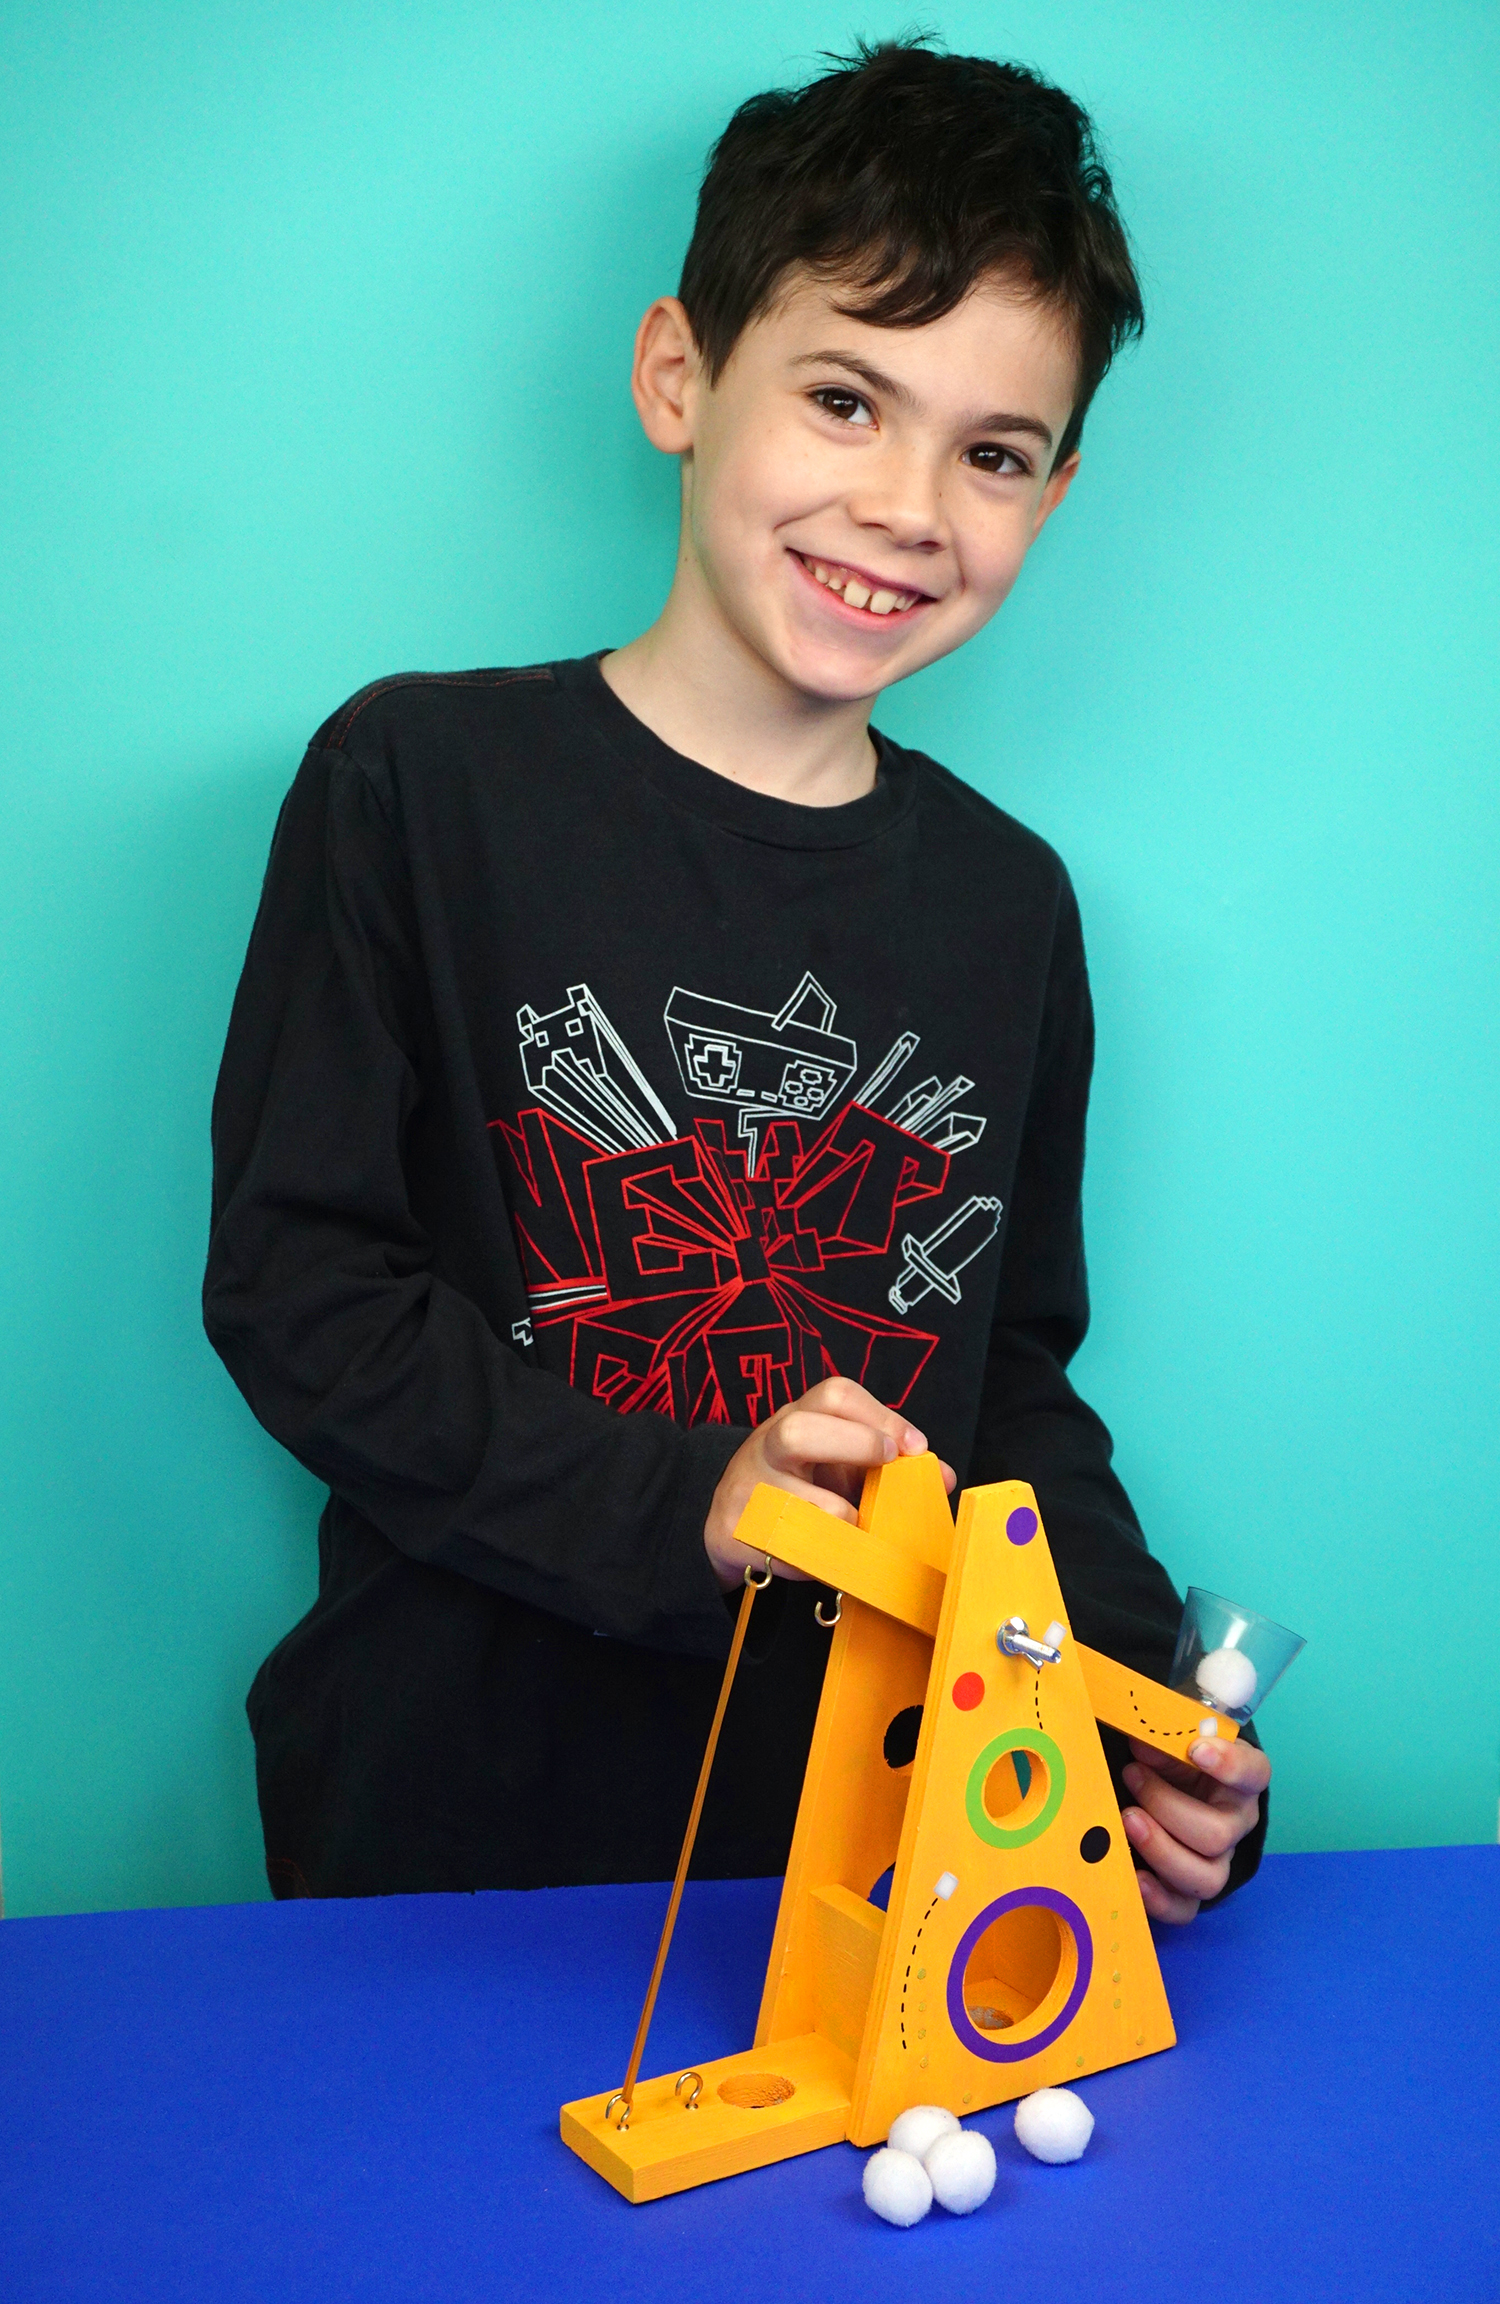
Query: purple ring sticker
[(980, 2043), (1021, 1526)]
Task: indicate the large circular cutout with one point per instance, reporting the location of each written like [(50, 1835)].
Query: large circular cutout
[(1017, 1958), (1015, 1787)]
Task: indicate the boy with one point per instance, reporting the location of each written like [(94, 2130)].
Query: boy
[(646, 1080)]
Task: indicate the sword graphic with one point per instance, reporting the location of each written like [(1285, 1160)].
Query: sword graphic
[(968, 1230)]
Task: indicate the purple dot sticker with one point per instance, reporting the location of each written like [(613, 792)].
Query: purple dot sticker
[(1021, 1526)]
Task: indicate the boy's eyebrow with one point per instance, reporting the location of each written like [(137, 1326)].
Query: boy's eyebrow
[(878, 381)]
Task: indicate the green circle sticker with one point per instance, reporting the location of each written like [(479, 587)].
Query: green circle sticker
[(1032, 1741)]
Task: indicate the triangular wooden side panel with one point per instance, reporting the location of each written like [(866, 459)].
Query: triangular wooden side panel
[(1016, 1953)]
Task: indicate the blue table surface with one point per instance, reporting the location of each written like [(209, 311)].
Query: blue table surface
[(359, 2100)]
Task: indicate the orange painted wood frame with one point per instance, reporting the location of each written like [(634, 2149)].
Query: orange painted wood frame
[(1015, 1952)]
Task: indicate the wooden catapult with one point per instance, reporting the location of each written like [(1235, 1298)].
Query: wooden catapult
[(956, 1748)]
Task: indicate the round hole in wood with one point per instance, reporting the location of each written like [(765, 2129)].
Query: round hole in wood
[(1015, 1787), (1001, 1963), (900, 1745), (1012, 1967), (1011, 1784), (753, 2091)]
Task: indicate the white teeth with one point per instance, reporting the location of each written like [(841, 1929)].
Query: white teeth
[(847, 586)]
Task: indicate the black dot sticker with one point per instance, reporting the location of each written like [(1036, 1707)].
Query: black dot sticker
[(901, 1737), (1094, 1846)]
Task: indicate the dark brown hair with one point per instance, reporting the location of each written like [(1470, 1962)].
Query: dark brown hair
[(910, 175)]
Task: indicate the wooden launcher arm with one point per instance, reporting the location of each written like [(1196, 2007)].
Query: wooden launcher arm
[(1144, 1708), (853, 1560), (885, 1576)]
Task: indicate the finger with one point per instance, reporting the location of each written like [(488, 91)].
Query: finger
[(846, 1480), (731, 1573), (1212, 1827), (1174, 1865), (1241, 1769), (1163, 1903), (826, 1499), (839, 1396), (732, 1558), (1238, 1767), (804, 1437), (1178, 1772), (950, 1477)]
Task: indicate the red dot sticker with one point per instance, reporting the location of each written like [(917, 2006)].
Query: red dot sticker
[(968, 1690)]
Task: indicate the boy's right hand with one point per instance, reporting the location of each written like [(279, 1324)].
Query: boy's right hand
[(819, 1447)]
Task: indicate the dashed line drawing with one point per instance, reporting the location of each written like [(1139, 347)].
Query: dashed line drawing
[(1140, 1715), (910, 1957)]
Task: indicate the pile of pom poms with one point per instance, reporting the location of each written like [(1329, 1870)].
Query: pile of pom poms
[(931, 2157)]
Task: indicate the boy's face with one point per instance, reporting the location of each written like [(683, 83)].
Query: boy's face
[(858, 500)]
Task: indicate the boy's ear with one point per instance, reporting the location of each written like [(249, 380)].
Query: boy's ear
[(665, 376), (1058, 484)]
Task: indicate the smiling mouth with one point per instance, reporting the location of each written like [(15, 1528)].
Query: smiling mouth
[(855, 592)]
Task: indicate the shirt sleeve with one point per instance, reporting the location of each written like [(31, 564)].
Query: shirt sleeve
[(1032, 1424), (378, 1373)]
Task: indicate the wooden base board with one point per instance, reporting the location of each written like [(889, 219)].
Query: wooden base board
[(668, 2149)]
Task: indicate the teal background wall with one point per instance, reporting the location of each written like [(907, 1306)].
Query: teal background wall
[(313, 358)]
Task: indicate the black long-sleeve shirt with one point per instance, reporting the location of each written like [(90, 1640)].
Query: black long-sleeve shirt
[(579, 1108)]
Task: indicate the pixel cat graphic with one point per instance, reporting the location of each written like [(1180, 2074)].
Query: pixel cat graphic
[(1015, 1953)]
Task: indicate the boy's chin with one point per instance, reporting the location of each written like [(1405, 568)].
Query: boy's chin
[(837, 676)]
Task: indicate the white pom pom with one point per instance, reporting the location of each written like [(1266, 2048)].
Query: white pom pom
[(1227, 1678), (1054, 2125), (914, 2130), (961, 2170), (897, 2186)]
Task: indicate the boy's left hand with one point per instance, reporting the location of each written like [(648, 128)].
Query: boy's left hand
[(1190, 1820)]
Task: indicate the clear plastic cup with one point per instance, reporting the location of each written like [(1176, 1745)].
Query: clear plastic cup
[(1227, 1656)]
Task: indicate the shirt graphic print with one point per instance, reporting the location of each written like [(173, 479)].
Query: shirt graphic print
[(701, 1267)]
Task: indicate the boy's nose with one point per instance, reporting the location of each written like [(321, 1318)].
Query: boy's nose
[(904, 498)]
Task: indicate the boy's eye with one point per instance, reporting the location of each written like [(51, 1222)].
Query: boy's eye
[(837, 400), (989, 456)]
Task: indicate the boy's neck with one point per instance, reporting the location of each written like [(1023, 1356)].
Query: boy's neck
[(702, 689)]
